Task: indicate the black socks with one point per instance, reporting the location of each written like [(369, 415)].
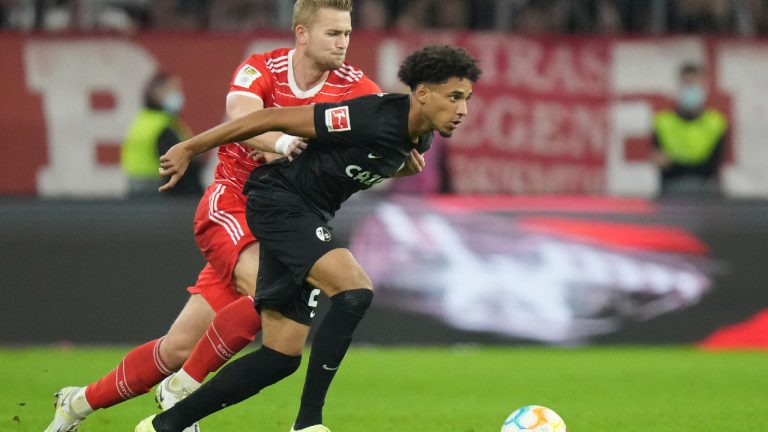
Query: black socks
[(234, 383), (328, 348)]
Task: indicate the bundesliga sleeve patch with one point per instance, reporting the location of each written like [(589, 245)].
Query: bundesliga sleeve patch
[(246, 76), (337, 119)]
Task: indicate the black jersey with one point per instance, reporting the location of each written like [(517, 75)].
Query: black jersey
[(359, 143)]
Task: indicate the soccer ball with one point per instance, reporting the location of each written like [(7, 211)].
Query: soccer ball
[(533, 418)]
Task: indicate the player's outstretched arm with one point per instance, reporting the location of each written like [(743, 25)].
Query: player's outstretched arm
[(286, 145), (290, 120)]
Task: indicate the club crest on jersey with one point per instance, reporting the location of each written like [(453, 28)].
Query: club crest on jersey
[(337, 119), (246, 76), (323, 234)]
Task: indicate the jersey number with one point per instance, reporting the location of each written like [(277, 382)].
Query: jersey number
[(312, 302)]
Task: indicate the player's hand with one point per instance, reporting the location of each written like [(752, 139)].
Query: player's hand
[(414, 165), (174, 163), (295, 147)]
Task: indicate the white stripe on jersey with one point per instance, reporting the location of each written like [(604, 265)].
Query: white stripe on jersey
[(338, 85), (344, 86), (286, 94), (278, 69), (244, 171), (348, 78), (280, 59), (281, 66), (351, 71), (243, 149)]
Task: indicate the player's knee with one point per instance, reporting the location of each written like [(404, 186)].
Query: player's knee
[(364, 281), (174, 353), (283, 364), (354, 301)]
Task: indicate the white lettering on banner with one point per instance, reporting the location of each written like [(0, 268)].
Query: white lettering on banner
[(480, 174), (485, 47), (540, 102), (66, 73), (550, 129), (742, 72), (560, 67)]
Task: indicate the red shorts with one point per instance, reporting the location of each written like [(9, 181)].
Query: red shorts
[(222, 233)]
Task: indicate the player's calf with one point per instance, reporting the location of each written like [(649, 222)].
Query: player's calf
[(329, 347)]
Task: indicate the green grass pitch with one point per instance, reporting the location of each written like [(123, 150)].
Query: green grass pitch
[(466, 389)]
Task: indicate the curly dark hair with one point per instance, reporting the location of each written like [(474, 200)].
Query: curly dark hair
[(437, 64)]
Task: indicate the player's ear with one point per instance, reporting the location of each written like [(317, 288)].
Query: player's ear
[(421, 92), (302, 34)]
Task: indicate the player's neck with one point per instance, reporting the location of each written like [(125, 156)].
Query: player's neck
[(418, 125), (306, 73)]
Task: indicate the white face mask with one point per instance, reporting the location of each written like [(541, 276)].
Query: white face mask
[(173, 102), (692, 97)]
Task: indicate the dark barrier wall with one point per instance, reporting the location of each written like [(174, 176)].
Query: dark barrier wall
[(116, 272)]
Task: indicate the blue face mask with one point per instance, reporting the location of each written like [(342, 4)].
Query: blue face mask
[(173, 102), (692, 97)]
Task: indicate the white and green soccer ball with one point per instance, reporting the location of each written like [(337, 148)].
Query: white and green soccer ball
[(533, 418)]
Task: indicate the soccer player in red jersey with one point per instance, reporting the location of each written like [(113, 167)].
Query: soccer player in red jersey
[(354, 144), (220, 314)]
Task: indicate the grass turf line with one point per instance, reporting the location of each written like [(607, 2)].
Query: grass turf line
[(442, 390)]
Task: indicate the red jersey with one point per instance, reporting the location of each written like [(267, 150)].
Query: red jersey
[(269, 77)]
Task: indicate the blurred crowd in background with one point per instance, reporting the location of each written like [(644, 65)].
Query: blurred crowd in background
[(735, 17)]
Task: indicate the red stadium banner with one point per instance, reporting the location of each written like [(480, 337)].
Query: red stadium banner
[(550, 114)]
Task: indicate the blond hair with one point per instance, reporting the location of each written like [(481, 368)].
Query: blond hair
[(305, 10)]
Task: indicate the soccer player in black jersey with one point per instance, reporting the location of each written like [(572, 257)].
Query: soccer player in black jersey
[(353, 145)]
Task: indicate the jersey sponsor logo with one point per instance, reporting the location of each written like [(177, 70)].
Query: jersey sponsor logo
[(323, 234), (246, 76), (337, 119), (365, 177)]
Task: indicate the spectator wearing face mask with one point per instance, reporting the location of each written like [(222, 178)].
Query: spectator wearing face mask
[(689, 140), (156, 128)]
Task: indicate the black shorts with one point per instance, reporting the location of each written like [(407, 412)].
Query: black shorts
[(292, 238)]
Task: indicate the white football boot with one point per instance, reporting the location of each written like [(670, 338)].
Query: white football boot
[(313, 428), (145, 425), (167, 395), (65, 419)]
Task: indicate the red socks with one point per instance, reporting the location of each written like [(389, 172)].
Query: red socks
[(139, 371), (233, 328)]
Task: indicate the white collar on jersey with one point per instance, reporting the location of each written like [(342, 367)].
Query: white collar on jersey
[(294, 87)]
